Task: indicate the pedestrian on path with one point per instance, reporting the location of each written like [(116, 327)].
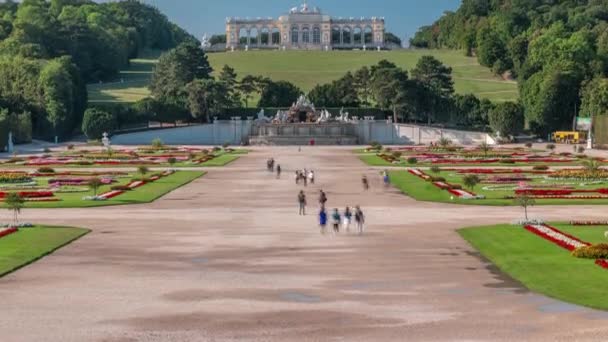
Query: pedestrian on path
[(323, 220), (360, 220), (302, 202), (322, 198), (298, 177), (278, 171), (365, 183), (347, 219), (336, 218), (311, 177), (386, 179)]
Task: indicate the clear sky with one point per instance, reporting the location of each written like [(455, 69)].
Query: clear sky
[(403, 17)]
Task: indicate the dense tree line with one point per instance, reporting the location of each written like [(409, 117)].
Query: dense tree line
[(557, 50), (49, 50)]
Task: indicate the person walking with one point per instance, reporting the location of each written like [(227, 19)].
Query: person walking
[(302, 202), (347, 219), (278, 171), (386, 179), (359, 219), (322, 198), (336, 218), (365, 183), (297, 177), (323, 220), (311, 177), (304, 177)]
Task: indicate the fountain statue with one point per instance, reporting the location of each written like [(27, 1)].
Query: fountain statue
[(262, 118), (205, 43)]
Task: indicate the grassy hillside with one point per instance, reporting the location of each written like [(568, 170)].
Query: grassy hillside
[(308, 68)]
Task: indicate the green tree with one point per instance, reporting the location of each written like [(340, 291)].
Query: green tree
[(391, 89), (94, 184), (207, 98), (363, 85), (177, 68), (279, 94), (229, 77), (594, 97), (507, 119), (391, 38), (434, 83), (248, 86), (14, 202), (143, 170), (96, 122), (525, 201), (471, 181)]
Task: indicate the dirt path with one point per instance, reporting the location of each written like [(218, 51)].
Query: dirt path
[(226, 258)]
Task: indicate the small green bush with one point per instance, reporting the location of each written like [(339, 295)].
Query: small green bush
[(550, 147), (120, 188), (599, 251), (507, 161), (581, 149), (529, 145), (172, 160), (397, 154), (540, 168), (412, 160), (435, 169), (46, 169)]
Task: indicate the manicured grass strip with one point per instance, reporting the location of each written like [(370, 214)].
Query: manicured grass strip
[(31, 244), (144, 194), (222, 160), (422, 190), (540, 265)]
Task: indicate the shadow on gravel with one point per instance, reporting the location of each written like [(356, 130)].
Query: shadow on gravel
[(504, 280)]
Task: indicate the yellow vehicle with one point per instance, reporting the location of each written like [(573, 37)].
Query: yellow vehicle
[(570, 137)]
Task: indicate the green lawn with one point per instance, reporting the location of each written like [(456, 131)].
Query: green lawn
[(542, 266), (30, 244), (422, 190), (309, 68), (222, 160), (144, 194)]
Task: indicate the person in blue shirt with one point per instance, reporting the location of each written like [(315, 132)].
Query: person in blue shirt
[(323, 220), (336, 218)]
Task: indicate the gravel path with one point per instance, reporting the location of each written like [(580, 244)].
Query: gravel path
[(227, 258)]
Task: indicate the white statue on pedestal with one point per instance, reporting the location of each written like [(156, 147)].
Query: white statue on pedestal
[(205, 43), (10, 146), (105, 141)]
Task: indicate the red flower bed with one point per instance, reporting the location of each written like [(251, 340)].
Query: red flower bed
[(7, 231), (30, 194)]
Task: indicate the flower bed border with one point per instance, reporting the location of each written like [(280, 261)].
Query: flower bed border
[(534, 230)]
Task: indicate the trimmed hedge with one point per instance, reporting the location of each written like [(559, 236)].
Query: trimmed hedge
[(228, 113)]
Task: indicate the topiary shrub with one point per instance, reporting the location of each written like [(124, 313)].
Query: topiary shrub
[(412, 160), (435, 169), (550, 147), (95, 122), (581, 149), (46, 169), (121, 188), (540, 168), (599, 251), (397, 154), (529, 145), (507, 161)]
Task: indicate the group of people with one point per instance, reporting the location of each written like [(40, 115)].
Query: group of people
[(270, 166), (344, 220), (305, 176), (385, 179)]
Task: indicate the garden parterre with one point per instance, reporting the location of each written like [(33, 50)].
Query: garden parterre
[(501, 186), (461, 156), (73, 189), (145, 155)]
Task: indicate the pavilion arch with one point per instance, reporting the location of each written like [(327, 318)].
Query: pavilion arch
[(347, 35), (265, 36), (368, 35), (358, 36), (295, 35), (306, 35), (254, 36), (244, 35), (336, 35), (316, 35), (276, 36)]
